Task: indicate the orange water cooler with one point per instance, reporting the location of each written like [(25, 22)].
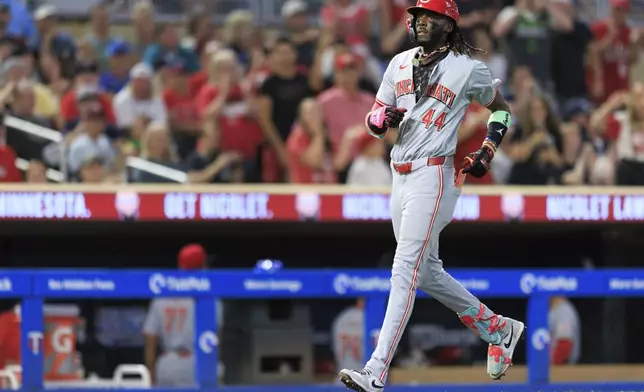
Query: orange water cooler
[(62, 327)]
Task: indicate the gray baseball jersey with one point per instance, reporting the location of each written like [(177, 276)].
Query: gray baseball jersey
[(563, 322), (173, 321), (423, 201), (348, 333), (430, 126)]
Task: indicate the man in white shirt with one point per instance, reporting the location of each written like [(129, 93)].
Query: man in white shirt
[(138, 99)]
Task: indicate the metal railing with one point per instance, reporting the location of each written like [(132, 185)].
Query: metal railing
[(58, 141)]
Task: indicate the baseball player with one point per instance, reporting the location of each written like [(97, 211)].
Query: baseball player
[(170, 323), (348, 336), (565, 332), (424, 93)]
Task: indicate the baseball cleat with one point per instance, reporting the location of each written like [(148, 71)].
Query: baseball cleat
[(499, 356), (361, 380)]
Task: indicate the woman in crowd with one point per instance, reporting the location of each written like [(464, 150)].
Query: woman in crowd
[(310, 153), (227, 107), (144, 26), (535, 145)]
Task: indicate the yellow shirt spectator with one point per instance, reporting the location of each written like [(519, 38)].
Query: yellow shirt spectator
[(47, 104)]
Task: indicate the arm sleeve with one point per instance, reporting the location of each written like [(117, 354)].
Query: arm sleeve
[(482, 87), (386, 95)]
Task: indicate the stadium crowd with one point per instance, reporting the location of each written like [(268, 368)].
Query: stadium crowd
[(242, 103)]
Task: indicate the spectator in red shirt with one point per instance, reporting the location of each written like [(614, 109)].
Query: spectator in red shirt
[(344, 105), (310, 154), (200, 78), (86, 76), (612, 53), (472, 131), (184, 121), (227, 108)]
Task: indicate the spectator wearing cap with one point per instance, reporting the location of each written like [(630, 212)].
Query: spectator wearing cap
[(139, 103), (310, 153), (226, 108), (52, 42), (181, 106), (168, 48), (88, 140), (280, 96), (119, 63), (570, 50), (612, 53), (343, 104), (20, 22), (369, 167), (92, 170), (86, 79), (142, 20), (98, 35), (526, 30), (370, 70), (299, 30)]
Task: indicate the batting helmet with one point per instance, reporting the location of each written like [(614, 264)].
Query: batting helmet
[(443, 7)]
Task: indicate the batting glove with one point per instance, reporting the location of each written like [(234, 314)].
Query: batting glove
[(385, 117), (478, 163)]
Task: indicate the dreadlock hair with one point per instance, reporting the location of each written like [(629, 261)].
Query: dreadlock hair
[(457, 43)]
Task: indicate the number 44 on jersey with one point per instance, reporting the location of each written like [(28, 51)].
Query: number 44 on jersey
[(430, 118)]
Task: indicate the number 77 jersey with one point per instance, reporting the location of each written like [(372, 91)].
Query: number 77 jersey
[(430, 126)]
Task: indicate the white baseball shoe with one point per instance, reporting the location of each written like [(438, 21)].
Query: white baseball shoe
[(361, 380), (499, 356)]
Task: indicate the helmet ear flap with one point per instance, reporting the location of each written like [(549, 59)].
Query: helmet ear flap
[(411, 28)]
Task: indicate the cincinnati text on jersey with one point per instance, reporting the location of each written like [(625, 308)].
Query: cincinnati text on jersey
[(435, 90)]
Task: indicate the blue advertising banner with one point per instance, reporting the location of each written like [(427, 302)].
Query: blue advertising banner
[(33, 287)]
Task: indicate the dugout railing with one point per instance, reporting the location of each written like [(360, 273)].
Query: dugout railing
[(34, 287)]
